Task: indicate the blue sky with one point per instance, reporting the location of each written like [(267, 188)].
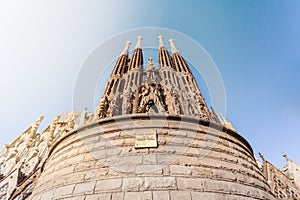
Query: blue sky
[(255, 45)]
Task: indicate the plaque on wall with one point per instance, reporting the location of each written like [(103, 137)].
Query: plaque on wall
[(145, 138)]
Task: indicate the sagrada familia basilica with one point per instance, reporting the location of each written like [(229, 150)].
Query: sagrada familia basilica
[(151, 137)]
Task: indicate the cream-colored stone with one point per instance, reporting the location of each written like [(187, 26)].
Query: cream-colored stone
[(109, 184)]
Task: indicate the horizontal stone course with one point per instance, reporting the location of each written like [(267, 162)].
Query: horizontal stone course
[(84, 188), (156, 183), (108, 185), (190, 184), (138, 196), (182, 167)]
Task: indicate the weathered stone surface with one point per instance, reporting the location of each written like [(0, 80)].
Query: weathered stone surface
[(95, 174), (161, 195), (117, 196), (180, 170), (84, 188), (152, 183), (180, 195), (105, 196), (189, 184), (107, 185), (199, 154), (64, 191), (212, 185), (160, 172), (138, 196), (133, 184)]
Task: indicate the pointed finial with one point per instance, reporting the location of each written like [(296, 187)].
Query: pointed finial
[(126, 49), (261, 156), (285, 156), (161, 41), (173, 47), (139, 42)]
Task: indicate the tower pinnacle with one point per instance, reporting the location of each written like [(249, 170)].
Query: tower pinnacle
[(125, 51), (173, 47), (139, 42), (171, 88), (161, 41)]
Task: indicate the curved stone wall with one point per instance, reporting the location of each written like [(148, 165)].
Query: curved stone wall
[(192, 161)]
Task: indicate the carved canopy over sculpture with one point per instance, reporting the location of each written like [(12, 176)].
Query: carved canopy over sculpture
[(25, 155)]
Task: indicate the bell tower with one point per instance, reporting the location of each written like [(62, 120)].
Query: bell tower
[(171, 88)]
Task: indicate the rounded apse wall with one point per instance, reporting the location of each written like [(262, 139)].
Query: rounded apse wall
[(110, 159)]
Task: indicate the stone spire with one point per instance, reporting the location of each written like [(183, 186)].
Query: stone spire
[(169, 89), (121, 68), (126, 75), (179, 62), (136, 61), (121, 64), (192, 101), (164, 58), (139, 42), (173, 47), (126, 49), (161, 41)]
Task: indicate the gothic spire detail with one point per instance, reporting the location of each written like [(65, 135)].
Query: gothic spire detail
[(179, 62), (171, 88), (122, 63), (164, 58), (139, 42), (173, 47), (136, 61), (126, 49), (161, 41)]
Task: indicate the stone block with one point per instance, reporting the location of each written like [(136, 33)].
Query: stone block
[(213, 186), (64, 191), (69, 179), (84, 188), (188, 161), (210, 196), (138, 196), (100, 145), (180, 170), (117, 196), (161, 195), (192, 152), (66, 170), (180, 195), (119, 170), (47, 195), (77, 159), (153, 183), (166, 149), (149, 169), (189, 184), (83, 166), (98, 154), (132, 184), (105, 196), (72, 198), (96, 173), (174, 141), (109, 184), (130, 160), (149, 159), (167, 159), (113, 151)]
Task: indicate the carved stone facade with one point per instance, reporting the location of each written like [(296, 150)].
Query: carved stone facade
[(151, 137), (21, 161), (171, 88), (284, 182)]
